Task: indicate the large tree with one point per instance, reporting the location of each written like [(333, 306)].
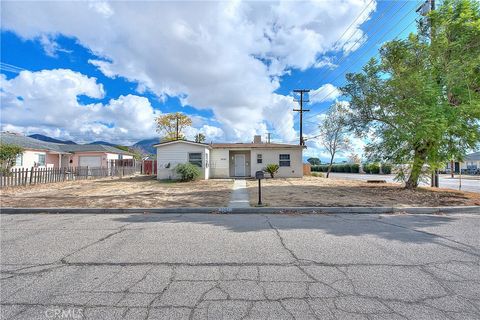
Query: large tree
[(172, 125), (333, 133), (314, 161), (420, 102)]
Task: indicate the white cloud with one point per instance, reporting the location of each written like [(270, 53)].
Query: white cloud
[(211, 133), (327, 92), (47, 102), (101, 7), (223, 56), (325, 62), (104, 66)]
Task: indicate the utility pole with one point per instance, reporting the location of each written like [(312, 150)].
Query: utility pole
[(301, 110)]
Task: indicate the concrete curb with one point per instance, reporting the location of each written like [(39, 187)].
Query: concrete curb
[(250, 210)]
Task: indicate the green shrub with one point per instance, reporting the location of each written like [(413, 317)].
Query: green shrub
[(355, 168), (371, 168), (318, 174), (324, 168), (187, 171), (272, 168), (386, 168)]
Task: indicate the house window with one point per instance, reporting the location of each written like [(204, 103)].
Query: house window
[(41, 159), (206, 160), (19, 160), (284, 160), (259, 158), (195, 159)]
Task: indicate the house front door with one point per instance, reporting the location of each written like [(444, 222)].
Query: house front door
[(240, 165)]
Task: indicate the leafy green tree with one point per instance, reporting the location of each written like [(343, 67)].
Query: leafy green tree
[(8, 154), (421, 100), (333, 132), (171, 124), (200, 137), (314, 161)]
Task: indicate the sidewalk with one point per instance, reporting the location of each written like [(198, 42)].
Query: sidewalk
[(239, 197)]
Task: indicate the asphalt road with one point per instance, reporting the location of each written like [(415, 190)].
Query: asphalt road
[(240, 266), (468, 184)]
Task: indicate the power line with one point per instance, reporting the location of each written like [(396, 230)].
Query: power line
[(371, 25), (10, 68), (401, 32), (351, 24), (366, 51)]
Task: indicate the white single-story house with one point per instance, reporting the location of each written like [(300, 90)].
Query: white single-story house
[(42, 154), (229, 160)]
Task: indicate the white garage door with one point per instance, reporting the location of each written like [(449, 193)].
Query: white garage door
[(90, 161)]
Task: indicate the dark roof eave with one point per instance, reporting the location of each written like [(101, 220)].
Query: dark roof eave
[(181, 141), (266, 146)]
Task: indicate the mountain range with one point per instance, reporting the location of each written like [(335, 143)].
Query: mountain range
[(145, 146), (50, 139)]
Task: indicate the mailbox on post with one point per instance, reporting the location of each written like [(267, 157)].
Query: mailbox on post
[(259, 175)]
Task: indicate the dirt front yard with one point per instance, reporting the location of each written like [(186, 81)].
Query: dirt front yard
[(319, 192), (137, 192)]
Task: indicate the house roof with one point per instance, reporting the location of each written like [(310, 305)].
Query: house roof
[(254, 145), (31, 143), (181, 141), (91, 148), (233, 145), (473, 156)]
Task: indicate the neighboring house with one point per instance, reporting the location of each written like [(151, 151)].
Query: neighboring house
[(226, 160), (39, 153), (471, 163)]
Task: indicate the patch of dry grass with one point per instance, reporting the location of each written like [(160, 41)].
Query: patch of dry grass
[(322, 192), (140, 192)]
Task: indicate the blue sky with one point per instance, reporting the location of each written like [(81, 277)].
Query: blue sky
[(103, 71)]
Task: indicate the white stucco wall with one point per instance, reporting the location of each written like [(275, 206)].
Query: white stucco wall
[(272, 156), (176, 153), (219, 163), (206, 163)]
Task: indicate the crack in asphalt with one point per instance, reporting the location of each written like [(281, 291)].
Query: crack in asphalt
[(334, 302), (120, 230)]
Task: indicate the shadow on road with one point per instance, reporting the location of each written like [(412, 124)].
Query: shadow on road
[(404, 228)]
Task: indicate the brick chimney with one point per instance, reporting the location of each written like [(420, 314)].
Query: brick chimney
[(257, 139)]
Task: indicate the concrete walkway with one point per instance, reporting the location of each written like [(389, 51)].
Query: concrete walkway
[(239, 197)]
